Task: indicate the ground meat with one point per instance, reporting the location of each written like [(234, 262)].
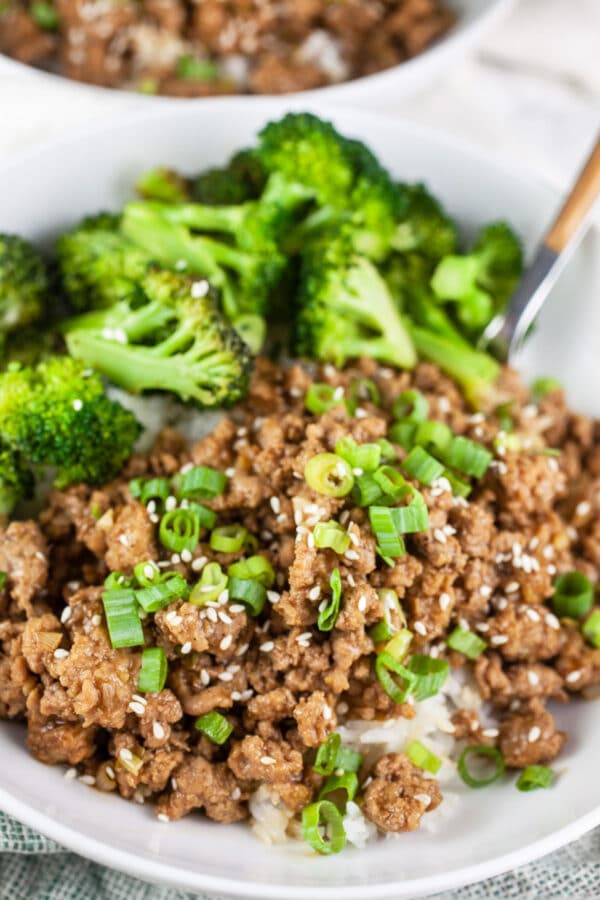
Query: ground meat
[(522, 681), (315, 718), (272, 706), (131, 539), (53, 741), (255, 759), (399, 794), (530, 738), (202, 785), (525, 633), (24, 558)]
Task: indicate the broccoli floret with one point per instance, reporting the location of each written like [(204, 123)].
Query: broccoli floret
[(163, 184), (98, 266), (481, 282), (29, 346), (24, 283), (58, 415), (241, 180), (345, 309), (174, 341), (16, 479), (424, 226)]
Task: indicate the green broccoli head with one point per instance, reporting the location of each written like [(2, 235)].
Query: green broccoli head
[(29, 346), (174, 341), (423, 225), (480, 283), (16, 479), (58, 415), (345, 309), (163, 184), (241, 180), (98, 265), (24, 283)]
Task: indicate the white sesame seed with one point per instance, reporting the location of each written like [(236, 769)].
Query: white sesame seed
[(511, 587), (200, 288), (327, 713), (273, 597), (149, 571), (110, 772), (236, 793), (153, 518), (425, 799), (87, 779), (352, 555), (551, 620), (485, 590), (77, 405), (267, 646), (70, 774), (533, 678), (501, 603), (162, 817), (482, 627), (362, 603), (199, 563), (444, 601), (151, 506), (305, 636), (533, 614), (357, 471), (314, 593), (420, 628), (226, 642), (242, 649), (498, 639), (342, 708), (204, 677), (123, 539), (225, 676), (175, 559), (125, 754), (60, 653), (186, 648), (275, 504), (158, 731), (490, 732), (535, 734), (573, 676), (211, 614), (227, 620), (551, 569), (66, 614), (267, 760), (548, 551), (138, 708), (439, 535), (361, 413), (582, 509)]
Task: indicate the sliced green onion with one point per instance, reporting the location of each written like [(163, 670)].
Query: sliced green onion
[(591, 628), (390, 482), (323, 815), (398, 646), (329, 474), (435, 437), (543, 386), (118, 580), (386, 629), (213, 582), (366, 491), (403, 433), (422, 466), (388, 451), (202, 483), (469, 457), (146, 573), (422, 757), (362, 389), (359, 456), (430, 675), (256, 567), (157, 596), (411, 406), (191, 68), (328, 615), (3, 577), (206, 517), (153, 671), (466, 642), (252, 593), (44, 15), (505, 419), (385, 669), (215, 726), (179, 530), (386, 532), (460, 487), (327, 754), (228, 538), (480, 750), (122, 619), (331, 534), (347, 782), (146, 489), (507, 443), (533, 777), (573, 595), (348, 760), (321, 397), (412, 518)]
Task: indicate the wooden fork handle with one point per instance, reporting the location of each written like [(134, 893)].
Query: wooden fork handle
[(585, 191)]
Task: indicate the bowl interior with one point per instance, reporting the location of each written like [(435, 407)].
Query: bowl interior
[(487, 831)]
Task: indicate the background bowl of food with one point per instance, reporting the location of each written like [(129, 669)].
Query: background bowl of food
[(350, 49), (125, 738)]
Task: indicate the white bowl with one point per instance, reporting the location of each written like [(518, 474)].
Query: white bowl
[(490, 830), (475, 18)]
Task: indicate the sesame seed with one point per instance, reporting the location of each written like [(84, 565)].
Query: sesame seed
[(533, 678), (425, 799), (275, 504), (139, 699), (66, 614), (490, 732), (77, 405), (236, 793), (267, 760), (582, 509), (186, 648), (351, 554), (199, 563), (88, 779), (498, 639), (227, 620), (70, 774), (242, 649), (327, 713), (200, 288), (444, 601), (314, 593), (533, 614), (125, 754), (149, 571), (175, 559), (204, 677), (511, 587), (138, 708), (110, 772), (272, 596), (535, 734), (485, 590), (573, 676), (211, 614), (225, 676), (361, 413), (267, 646), (548, 551), (420, 628), (162, 817), (357, 471), (60, 653), (551, 569), (158, 731), (151, 506), (186, 556), (305, 636), (226, 642), (482, 627), (501, 603), (551, 620), (362, 603), (123, 539), (439, 535)]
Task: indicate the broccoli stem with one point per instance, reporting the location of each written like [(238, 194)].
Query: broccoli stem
[(476, 372)]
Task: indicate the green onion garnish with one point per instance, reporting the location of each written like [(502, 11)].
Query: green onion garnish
[(366, 491), (202, 483), (332, 535), (3, 577), (533, 777), (385, 669), (422, 757), (430, 675), (388, 451), (460, 487), (328, 615), (44, 15), (403, 433), (468, 457), (348, 760), (591, 628), (147, 489), (256, 567), (347, 782), (157, 596), (543, 386), (146, 573), (390, 482), (481, 750), (422, 466), (153, 671), (206, 517), (117, 580), (191, 68), (362, 389), (250, 592), (435, 437), (228, 538), (213, 582), (359, 456), (411, 406), (329, 474), (321, 397), (385, 629), (385, 529), (412, 518), (326, 758), (122, 619), (466, 642), (215, 726), (398, 645), (323, 816), (573, 595), (179, 530)]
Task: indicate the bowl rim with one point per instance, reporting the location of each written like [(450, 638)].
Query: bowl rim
[(458, 39), (164, 873)]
